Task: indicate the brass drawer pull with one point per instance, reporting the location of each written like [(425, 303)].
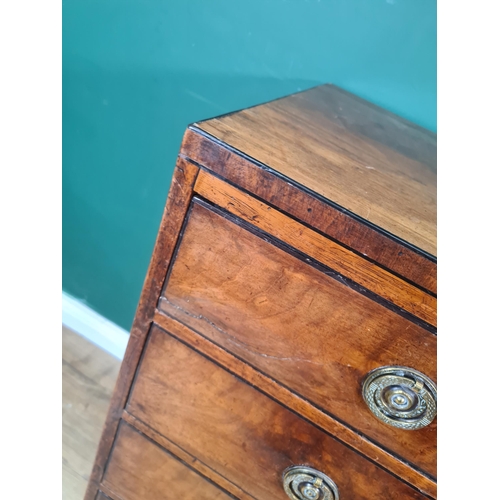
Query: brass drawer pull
[(305, 483), (401, 397)]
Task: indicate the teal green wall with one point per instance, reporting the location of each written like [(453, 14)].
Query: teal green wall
[(137, 72)]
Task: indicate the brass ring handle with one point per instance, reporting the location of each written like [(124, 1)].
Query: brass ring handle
[(305, 483), (401, 397)]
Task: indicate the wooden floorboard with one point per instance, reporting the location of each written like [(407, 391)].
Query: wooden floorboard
[(88, 377)]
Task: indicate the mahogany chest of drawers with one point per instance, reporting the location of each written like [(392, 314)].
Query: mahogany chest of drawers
[(284, 345)]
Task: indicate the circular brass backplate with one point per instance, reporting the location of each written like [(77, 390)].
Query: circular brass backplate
[(305, 483), (401, 397)]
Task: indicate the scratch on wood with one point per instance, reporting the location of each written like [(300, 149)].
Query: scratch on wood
[(236, 341)]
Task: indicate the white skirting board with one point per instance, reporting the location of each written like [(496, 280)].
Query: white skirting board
[(83, 320)]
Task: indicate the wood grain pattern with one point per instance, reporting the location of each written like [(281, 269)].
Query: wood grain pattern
[(239, 432), (333, 255), (173, 216), (309, 208), (88, 377), (139, 469), (297, 404), (191, 460), (305, 329), (357, 155)]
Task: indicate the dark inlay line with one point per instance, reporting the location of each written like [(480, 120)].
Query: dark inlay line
[(312, 262), (312, 228), (314, 194)]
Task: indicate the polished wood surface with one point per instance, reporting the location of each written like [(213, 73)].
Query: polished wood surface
[(88, 377), (361, 157), (304, 328), (314, 211), (185, 457), (313, 244), (140, 469), (289, 399), (177, 204), (239, 432)]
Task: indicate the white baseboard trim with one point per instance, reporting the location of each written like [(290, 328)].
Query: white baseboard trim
[(89, 324)]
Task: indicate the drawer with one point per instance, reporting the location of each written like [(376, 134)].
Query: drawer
[(240, 433), (311, 330), (139, 469)]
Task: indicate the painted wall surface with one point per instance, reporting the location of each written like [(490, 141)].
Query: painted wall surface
[(137, 72)]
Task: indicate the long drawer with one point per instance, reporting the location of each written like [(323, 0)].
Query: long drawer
[(312, 331), (240, 433)]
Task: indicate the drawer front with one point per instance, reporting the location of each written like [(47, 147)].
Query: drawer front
[(239, 432), (312, 332), (139, 469)]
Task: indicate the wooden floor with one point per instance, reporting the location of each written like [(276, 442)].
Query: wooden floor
[(88, 378)]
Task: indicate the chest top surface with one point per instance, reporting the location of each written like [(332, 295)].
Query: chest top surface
[(364, 159)]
